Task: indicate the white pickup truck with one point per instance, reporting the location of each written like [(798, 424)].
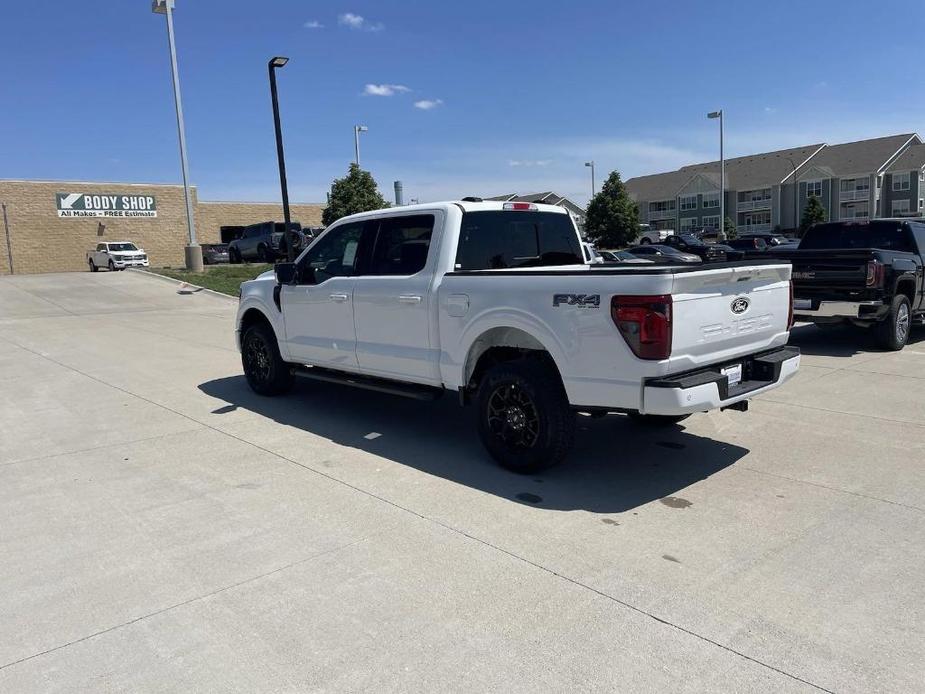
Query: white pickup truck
[(494, 302), (116, 255)]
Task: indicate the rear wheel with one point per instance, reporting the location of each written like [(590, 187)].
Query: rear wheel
[(645, 241), (264, 368), (234, 256), (658, 420), (93, 267), (525, 420), (893, 331)]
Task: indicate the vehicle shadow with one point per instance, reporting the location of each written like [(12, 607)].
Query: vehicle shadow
[(615, 466), (841, 340)]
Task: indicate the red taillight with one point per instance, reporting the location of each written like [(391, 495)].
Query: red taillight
[(790, 308), (645, 324), (874, 273), (520, 206)]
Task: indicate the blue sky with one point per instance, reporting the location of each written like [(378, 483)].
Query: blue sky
[(522, 93)]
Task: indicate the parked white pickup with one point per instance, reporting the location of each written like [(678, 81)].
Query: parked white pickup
[(494, 301), (116, 255)]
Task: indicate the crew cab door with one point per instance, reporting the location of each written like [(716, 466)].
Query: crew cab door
[(318, 311), (99, 256), (392, 300)]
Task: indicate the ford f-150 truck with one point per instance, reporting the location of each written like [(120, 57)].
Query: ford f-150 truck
[(116, 255), (869, 274), (494, 302)]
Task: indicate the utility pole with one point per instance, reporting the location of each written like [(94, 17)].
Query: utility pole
[(9, 246), (722, 172), (277, 62)]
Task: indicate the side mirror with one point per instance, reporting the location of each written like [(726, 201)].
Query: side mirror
[(286, 273)]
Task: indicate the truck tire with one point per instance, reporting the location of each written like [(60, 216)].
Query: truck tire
[(657, 420), (525, 420), (112, 266), (893, 331), (234, 256), (93, 267), (264, 368), (645, 241)]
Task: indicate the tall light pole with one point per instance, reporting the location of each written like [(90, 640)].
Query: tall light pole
[(722, 172), (593, 187), (193, 251), (357, 129), (278, 62)]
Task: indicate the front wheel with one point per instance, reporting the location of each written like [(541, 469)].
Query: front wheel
[(264, 368), (525, 420), (893, 331), (112, 266), (234, 256), (658, 420), (645, 241)]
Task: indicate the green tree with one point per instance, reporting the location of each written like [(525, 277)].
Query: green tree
[(729, 228), (356, 192), (612, 219), (813, 214)]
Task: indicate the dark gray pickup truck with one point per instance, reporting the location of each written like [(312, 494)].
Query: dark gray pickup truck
[(866, 273)]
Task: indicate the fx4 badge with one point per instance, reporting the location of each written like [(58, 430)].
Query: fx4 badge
[(580, 300), (739, 305)]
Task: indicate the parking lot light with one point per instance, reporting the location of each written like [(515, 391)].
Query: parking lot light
[(591, 164), (722, 172), (274, 63), (357, 129), (193, 251)]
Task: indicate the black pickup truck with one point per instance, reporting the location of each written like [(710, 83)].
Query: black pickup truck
[(866, 273)]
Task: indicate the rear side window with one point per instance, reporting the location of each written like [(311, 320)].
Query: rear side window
[(890, 236), (402, 245), (509, 239)]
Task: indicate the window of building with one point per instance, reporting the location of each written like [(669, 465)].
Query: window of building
[(689, 223), (900, 207), (813, 188), (711, 222), (687, 202), (901, 181), (858, 210), (922, 203), (710, 200), (661, 206), (849, 184)]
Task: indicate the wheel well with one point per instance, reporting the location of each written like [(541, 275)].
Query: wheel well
[(499, 345), (253, 316), (907, 288)]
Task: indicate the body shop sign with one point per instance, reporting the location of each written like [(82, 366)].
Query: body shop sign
[(105, 205)]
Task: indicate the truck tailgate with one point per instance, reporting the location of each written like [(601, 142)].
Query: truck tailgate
[(723, 313)]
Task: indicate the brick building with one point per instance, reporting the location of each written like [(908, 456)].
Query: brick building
[(48, 227)]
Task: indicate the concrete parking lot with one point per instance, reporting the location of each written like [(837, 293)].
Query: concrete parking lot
[(166, 530)]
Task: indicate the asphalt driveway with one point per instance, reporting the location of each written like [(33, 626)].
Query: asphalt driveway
[(166, 530)]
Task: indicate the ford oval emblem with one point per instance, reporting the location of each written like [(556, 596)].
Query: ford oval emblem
[(739, 305)]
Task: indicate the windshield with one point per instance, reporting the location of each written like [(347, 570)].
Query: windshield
[(892, 236), (122, 247)]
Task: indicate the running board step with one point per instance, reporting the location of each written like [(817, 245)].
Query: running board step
[(381, 385)]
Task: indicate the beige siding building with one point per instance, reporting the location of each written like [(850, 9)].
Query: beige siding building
[(49, 228)]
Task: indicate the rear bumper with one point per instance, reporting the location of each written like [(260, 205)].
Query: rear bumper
[(839, 309), (709, 389)]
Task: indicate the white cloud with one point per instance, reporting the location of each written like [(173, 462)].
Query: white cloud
[(770, 109), (313, 24), (384, 89), (355, 21), (427, 104), (529, 162)]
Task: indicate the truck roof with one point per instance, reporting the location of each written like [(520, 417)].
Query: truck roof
[(465, 205)]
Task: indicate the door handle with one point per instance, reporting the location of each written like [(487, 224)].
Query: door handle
[(410, 298), (339, 297)]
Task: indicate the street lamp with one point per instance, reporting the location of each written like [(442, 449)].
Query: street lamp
[(193, 251), (357, 129), (278, 62), (591, 164), (722, 172)]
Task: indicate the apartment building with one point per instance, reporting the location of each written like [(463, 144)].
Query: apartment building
[(770, 190)]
